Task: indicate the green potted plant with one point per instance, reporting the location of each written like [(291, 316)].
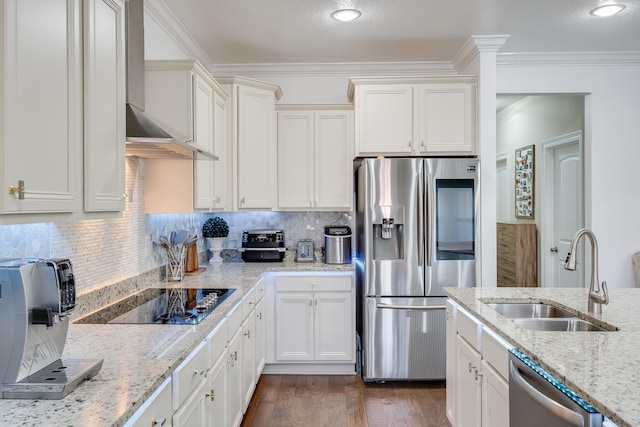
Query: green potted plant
[(215, 230)]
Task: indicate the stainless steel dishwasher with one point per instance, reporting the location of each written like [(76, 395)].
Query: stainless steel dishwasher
[(538, 399)]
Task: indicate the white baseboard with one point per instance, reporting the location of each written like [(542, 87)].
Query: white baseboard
[(310, 369)]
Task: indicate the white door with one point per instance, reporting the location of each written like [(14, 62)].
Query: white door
[(333, 328), (564, 213)]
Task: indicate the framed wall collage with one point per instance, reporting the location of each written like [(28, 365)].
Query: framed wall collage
[(525, 179)]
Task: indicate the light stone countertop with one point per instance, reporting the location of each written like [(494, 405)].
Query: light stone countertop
[(138, 358), (601, 367)]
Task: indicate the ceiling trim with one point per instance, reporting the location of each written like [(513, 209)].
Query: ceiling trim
[(323, 69), (165, 18), (568, 58), (476, 44)]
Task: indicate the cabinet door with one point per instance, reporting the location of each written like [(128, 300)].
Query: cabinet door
[(294, 326), (384, 120), (234, 380), (203, 106), (333, 156), (222, 181), (41, 123), (104, 115), (334, 329), (261, 333), (215, 395), (495, 398), (451, 363), (445, 116), (256, 149), (248, 358), (295, 159), (469, 388), (192, 412)]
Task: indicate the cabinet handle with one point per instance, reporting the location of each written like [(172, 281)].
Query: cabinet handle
[(471, 367), (422, 144), (315, 301), (235, 355), (19, 190), (211, 395), (478, 375), (409, 144), (242, 201), (248, 334), (260, 316), (198, 372), (159, 422)]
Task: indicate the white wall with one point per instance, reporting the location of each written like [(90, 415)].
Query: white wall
[(612, 148)]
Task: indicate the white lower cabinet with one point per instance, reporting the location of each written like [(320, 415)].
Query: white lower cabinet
[(156, 411), (234, 380), (248, 358), (193, 411), (477, 370), (313, 324)]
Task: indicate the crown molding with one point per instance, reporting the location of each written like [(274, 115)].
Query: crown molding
[(475, 45), (568, 58), (164, 17), (338, 68)]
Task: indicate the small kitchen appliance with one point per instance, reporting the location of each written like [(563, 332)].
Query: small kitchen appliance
[(263, 246), (337, 244), (305, 251), (37, 297)]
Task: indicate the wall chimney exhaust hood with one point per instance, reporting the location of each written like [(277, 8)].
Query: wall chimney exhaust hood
[(146, 137)]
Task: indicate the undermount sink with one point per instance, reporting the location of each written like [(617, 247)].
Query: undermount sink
[(569, 325), (545, 317), (529, 310)]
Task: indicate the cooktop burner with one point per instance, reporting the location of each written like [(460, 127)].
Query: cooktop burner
[(177, 306)]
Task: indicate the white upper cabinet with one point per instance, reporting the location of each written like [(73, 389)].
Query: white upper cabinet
[(63, 98), (185, 97), (315, 154), (414, 116), (41, 106), (252, 136), (104, 102)]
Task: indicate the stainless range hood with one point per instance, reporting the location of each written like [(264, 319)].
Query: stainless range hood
[(146, 137)]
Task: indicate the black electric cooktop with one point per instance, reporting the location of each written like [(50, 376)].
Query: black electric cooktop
[(178, 306)]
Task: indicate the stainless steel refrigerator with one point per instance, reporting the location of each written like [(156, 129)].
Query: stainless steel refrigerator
[(416, 232)]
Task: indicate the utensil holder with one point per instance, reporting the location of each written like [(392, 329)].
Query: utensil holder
[(175, 265)]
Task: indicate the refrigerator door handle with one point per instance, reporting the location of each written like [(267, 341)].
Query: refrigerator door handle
[(428, 236), (410, 307), (420, 228)]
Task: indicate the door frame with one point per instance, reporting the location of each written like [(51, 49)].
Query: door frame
[(547, 180)]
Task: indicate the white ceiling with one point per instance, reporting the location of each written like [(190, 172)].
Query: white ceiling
[(301, 31)]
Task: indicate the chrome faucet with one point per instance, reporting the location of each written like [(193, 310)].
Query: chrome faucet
[(597, 297)]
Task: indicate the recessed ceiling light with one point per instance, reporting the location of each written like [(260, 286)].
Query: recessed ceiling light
[(607, 10), (346, 15)]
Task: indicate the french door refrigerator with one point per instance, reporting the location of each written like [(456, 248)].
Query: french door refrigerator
[(416, 232)]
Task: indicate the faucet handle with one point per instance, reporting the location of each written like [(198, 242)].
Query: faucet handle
[(605, 292)]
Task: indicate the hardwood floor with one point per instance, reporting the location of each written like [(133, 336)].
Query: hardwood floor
[(337, 400)]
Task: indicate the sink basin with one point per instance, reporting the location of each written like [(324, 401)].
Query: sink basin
[(570, 325), (530, 311)]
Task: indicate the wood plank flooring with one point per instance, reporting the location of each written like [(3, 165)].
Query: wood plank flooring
[(338, 400)]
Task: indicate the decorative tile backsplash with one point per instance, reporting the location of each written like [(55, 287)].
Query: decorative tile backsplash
[(111, 250)]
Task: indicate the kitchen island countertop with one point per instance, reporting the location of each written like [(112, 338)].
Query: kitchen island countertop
[(138, 358), (602, 367)]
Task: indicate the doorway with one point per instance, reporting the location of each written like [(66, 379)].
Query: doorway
[(554, 124), (562, 214)]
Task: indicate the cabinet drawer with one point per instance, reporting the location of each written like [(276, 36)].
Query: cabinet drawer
[(190, 374), (303, 283), (495, 352), (248, 302), (217, 340), (261, 289), (234, 319), (469, 328), (156, 409)]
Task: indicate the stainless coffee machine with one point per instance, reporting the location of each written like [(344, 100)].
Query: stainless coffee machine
[(37, 297)]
